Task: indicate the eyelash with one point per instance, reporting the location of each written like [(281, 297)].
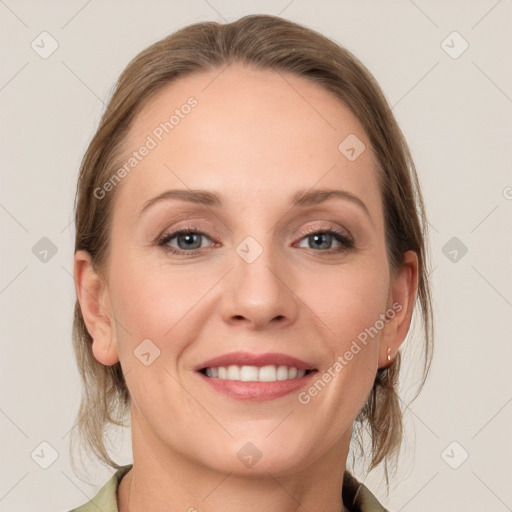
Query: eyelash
[(347, 243)]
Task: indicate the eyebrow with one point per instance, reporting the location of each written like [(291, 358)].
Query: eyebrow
[(299, 199)]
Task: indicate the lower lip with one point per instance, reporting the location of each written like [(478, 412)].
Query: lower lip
[(257, 391)]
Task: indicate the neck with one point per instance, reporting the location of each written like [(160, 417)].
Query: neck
[(161, 477)]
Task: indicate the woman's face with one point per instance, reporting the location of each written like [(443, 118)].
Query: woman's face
[(255, 279)]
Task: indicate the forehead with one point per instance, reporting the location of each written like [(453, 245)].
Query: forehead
[(246, 132)]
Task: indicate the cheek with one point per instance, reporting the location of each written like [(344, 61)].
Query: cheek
[(149, 305), (351, 307), (351, 299)]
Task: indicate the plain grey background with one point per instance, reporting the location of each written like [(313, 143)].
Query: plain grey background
[(445, 69)]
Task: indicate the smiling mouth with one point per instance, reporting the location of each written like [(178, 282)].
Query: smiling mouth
[(269, 373)]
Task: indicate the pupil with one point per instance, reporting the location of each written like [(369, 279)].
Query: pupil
[(189, 237), (319, 238)]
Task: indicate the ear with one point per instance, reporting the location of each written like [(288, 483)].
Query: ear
[(402, 295), (92, 294)]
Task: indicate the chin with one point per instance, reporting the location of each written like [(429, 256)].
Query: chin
[(258, 456)]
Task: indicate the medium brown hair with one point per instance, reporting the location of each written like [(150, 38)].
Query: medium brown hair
[(263, 42)]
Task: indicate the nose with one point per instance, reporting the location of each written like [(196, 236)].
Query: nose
[(260, 294)]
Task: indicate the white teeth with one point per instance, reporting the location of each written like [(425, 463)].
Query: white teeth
[(248, 373), (282, 373), (269, 373), (233, 372)]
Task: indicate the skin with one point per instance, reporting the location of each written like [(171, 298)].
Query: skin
[(255, 139)]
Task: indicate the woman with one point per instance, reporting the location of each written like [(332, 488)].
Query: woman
[(250, 248)]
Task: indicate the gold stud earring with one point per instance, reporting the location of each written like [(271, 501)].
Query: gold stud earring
[(389, 353)]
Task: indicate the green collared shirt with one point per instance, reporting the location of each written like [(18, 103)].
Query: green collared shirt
[(356, 496)]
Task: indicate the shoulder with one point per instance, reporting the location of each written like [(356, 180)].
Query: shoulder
[(357, 497), (106, 498)]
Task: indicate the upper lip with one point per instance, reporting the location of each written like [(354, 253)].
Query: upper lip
[(249, 359)]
